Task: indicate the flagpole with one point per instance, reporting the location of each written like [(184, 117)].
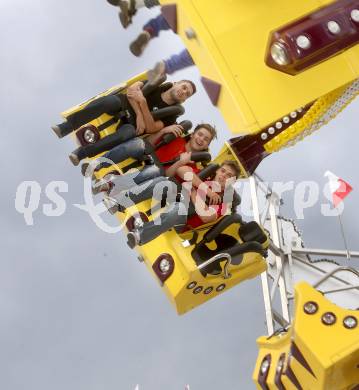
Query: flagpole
[(343, 234)]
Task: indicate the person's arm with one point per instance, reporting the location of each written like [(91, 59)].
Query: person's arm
[(196, 181), (151, 125), (185, 158), (206, 213), (135, 86), (140, 123), (136, 98), (174, 129)]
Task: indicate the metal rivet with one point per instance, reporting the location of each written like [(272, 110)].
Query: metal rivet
[(190, 33), (191, 285), (310, 307), (271, 130), (329, 318), (303, 42), (355, 15), (350, 322), (333, 27)]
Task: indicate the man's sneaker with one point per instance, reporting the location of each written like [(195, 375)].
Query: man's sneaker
[(113, 2), (104, 187), (74, 158), (111, 204), (62, 129), (133, 238), (57, 130), (139, 44), (156, 75), (85, 171)]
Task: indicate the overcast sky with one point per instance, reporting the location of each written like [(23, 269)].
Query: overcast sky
[(77, 310)]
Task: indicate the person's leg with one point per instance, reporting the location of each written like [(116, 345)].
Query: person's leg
[(150, 30), (156, 187), (149, 176), (171, 65), (148, 3), (124, 134), (128, 8), (178, 62), (107, 104), (164, 222)]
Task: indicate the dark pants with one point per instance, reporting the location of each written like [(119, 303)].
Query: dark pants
[(156, 25), (111, 105), (175, 215), (124, 133)]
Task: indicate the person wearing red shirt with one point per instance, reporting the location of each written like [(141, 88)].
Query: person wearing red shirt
[(180, 148), (198, 213)]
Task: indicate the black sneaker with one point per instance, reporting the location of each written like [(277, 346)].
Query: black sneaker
[(111, 205), (74, 158), (113, 2), (84, 170), (133, 239), (62, 129), (104, 187)]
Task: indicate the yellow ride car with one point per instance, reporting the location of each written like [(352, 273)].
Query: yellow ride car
[(180, 261), (319, 351), (277, 70)]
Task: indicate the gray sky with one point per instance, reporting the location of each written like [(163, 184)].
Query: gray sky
[(77, 310)]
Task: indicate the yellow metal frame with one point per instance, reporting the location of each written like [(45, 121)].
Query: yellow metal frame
[(229, 48), (330, 351)]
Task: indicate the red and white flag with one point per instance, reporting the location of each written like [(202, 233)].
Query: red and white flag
[(338, 188)]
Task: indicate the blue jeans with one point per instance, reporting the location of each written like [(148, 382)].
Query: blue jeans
[(174, 215), (178, 61), (139, 185), (122, 134), (156, 25), (134, 148), (135, 188)]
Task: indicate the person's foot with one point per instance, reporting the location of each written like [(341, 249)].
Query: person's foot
[(140, 43), (113, 2), (157, 74), (62, 129), (133, 238), (85, 171), (74, 159), (104, 187), (111, 205)]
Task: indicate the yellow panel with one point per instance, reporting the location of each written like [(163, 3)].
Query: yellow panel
[(230, 47), (329, 354)]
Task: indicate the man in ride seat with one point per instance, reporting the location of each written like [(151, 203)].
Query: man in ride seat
[(133, 108), (197, 214), (178, 148)]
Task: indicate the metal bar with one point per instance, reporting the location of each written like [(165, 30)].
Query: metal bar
[(333, 272), (226, 256), (275, 236), (319, 269), (324, 252), (342, 289), (343, 235), (264, 276)]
